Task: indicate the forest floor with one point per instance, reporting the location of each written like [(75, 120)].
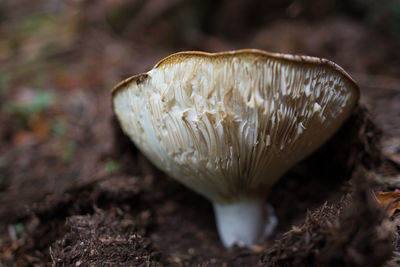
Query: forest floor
[(75, 191)]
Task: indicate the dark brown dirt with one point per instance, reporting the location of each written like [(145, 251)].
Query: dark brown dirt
[(150, 219), (104, 238), (340, 234), (75, 191)]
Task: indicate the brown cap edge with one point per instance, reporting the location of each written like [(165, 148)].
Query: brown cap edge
[(176, 57)]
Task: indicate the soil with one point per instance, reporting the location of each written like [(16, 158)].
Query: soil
[(74, 191)]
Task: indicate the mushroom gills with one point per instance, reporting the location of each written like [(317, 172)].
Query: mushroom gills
[(229, 125)]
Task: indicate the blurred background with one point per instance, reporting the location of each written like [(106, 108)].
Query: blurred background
[(59, 60)]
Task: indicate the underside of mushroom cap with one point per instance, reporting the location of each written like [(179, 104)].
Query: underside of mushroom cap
[(228, 125)]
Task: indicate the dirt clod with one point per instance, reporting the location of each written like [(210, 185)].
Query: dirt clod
[(103, 239), (352, 232)]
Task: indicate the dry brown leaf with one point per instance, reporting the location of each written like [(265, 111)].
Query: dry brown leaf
[(21, 137), (391, 200), (257, 248), (40, 127)]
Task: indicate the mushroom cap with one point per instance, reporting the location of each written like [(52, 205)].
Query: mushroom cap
[(229, 124)]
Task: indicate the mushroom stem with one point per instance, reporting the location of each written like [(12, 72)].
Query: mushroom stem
[(244, 223)]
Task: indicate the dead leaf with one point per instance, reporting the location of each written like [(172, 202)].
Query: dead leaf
[(40, 127), (257, 248), (391, 200), (395, 158), (21, 137)]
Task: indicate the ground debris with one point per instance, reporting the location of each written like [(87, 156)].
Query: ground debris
[(353, 232), (389, 200), (103, 239)]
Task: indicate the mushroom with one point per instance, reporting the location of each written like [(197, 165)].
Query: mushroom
[(229, 125)]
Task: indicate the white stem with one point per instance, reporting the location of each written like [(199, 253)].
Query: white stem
[(243, 223)]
